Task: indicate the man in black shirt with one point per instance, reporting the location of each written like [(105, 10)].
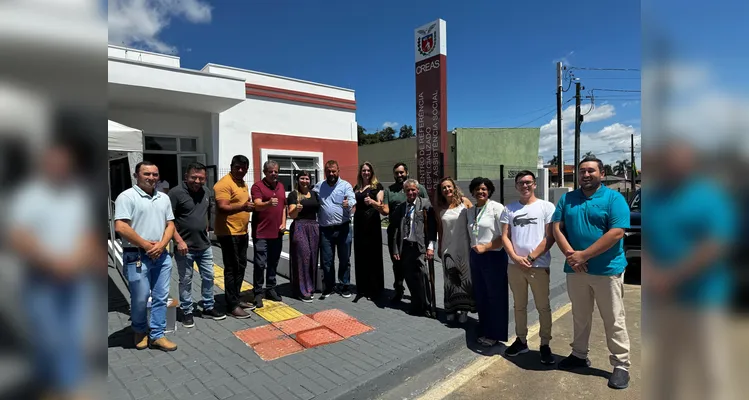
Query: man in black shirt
[(191, 204)]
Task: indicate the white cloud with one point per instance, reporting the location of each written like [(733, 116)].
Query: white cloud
[(140, 22), (598, 113), (610, 143), (565, 60), (389, 124)]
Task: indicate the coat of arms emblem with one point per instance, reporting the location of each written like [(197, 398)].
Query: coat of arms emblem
[(425, 42)]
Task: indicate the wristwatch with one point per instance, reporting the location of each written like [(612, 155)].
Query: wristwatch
[(530, 258)]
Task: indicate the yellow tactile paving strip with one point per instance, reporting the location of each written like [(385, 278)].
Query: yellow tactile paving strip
[(272, 311)]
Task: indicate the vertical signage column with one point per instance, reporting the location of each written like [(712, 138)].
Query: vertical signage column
[(431, 103)]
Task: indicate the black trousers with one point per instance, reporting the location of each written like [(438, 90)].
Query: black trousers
[(267, 254), (234, 254), (398, 272), (417, 276)]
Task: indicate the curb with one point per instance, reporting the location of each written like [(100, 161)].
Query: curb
[(398, 372)]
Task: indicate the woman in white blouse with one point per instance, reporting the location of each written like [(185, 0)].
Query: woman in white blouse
[(488, 262)]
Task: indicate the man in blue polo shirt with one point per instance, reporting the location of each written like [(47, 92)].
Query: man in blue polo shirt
[(145, 221), (337, 205), (589, 226)]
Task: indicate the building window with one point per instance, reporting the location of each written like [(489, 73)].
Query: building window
[(158, 143), (289, 167)]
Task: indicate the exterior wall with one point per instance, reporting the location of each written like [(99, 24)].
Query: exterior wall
[(157, 123), (384, 155), (142, 56), (480, 151), (322, 150)]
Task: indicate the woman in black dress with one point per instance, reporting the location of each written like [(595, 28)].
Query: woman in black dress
[(370, 278), (304, 237)]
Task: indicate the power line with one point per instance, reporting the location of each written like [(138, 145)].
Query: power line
[(542, 116), (616, 90), (606, 69)]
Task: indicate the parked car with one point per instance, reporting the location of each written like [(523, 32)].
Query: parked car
[(633, 235)]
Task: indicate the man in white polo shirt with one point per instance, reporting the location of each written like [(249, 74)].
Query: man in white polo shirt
[(144, 219), (528, 237)]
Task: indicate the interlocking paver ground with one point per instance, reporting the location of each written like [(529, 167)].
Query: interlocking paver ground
[(348, 328), (317, 337), (211, 360), (293, 326), (277, 348)]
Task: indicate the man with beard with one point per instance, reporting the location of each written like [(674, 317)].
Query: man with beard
[(268, 225), (337, 205), (589, 225), (393, 197), (144, 219), (232, 218)]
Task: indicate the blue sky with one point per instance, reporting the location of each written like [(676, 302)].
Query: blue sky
[(500, 55)]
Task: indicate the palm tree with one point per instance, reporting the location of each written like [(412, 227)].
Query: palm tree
[(622, 167), (588, 154), (607, 170), (554, 161)]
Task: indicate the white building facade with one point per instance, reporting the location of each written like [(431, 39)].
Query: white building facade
[(213, 114)]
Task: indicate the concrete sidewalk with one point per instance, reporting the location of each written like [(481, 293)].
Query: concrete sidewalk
[(213, 363), (524, 377)]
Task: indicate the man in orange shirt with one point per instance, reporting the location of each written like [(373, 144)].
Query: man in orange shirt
[(232, 218)]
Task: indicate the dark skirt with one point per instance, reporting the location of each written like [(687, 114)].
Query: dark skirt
[(368, 266), (489, 276), (304, 253)]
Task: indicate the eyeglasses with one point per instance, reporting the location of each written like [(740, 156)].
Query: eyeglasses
[(525, 183)]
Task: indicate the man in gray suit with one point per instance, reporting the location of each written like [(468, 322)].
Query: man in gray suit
[(413, 243)]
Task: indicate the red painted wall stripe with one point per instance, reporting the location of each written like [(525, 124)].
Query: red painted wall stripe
[(260, 93)]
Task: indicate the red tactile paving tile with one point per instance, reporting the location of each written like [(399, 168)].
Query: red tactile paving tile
[(329, 317), (277, 348), (299, 324), (260, 334), (349, 328), (317, 337)]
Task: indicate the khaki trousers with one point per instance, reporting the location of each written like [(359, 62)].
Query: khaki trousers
[(607, 292), (538, 279)]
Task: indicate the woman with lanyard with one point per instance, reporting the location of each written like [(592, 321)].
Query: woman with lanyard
[(488, 262), (304, 234)]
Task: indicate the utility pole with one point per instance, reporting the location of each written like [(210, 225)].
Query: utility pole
[(632, 156), (578, 122), (560, 158)]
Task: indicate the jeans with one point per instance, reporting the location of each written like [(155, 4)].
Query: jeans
[(204, 259), (234, 254), (266, 256), (58, 313), (336, 238), (150, 278)]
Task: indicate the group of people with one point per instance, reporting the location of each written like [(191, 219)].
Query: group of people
[(485, 248)]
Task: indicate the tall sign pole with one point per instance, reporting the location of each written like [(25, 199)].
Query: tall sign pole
[(560, 158), (431, 103), (578, 121)]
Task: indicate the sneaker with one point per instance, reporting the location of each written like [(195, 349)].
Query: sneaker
[(246, 306), (619, 378), (141, 340), (239, 313), (163, 344), (346, 293), (272, 295), (307, 299), (188, 321), (214, 314), (325, 294), (517, 347), (572, 362), (546, 356)]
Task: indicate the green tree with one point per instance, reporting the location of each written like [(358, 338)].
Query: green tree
[(608, 170), (553, 161), (387, 134), (622, 166), (406, 131)]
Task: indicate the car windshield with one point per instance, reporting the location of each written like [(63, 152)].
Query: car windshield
[(635, 205)]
